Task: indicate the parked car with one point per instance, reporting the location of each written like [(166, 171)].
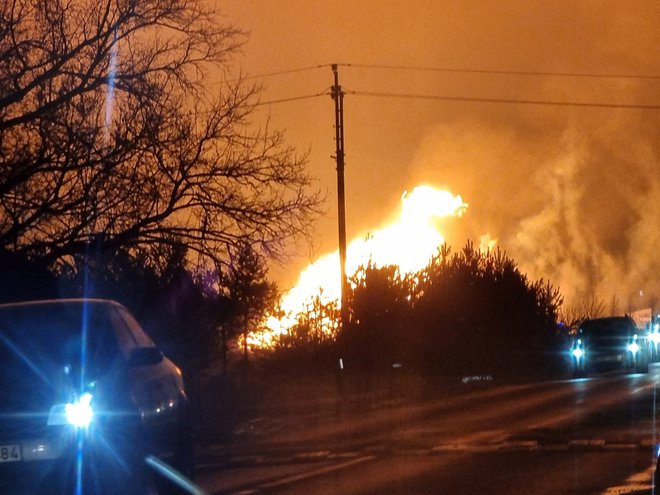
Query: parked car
[(86, 397), (609, 343)]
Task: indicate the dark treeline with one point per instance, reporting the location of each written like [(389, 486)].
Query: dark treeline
[(467, 312), (193, 315), (197, 317)]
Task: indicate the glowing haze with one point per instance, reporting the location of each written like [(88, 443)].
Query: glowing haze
[(408, 242), (571, 193)]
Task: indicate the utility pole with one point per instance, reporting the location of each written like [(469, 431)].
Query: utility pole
[(338, 96)]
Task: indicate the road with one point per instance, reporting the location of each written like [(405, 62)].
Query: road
[(594, 435)]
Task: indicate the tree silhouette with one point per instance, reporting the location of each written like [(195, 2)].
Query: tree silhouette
[(177, 307), (470, 311), (316, 325), (249, 293), (379, 308), (112, 131), (582, 309), (25, 279)]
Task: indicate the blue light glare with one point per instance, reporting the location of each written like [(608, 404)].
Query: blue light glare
[(174, 476), (80, 413), (37, 371), (110, 96), (633, 347), (79, 463), (577, 353)]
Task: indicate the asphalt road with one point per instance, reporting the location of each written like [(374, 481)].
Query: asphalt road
[(594, 435)]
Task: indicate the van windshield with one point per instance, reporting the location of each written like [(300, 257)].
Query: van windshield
[(608, 327)]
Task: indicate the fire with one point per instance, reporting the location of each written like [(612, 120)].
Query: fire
[(409, 243)]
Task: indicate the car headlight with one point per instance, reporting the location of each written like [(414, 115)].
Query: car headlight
[(80, 412), (577, 353), (633, 347)]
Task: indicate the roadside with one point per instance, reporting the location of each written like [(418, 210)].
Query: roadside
[(290, 416), (256, 405), (488, 423)]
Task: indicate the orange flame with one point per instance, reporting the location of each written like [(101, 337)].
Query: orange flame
[(408, 243)]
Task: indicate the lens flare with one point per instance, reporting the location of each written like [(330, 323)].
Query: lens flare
[(110, 95), (80, 412), (409, 243)]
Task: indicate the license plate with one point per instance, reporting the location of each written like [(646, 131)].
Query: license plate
[(10, 453)]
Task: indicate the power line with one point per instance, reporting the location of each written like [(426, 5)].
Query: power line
[(281, 100), (455, 70), (504, 72), (279, 73), (506, 100), (288, 71), (461, 98), (292, 98)]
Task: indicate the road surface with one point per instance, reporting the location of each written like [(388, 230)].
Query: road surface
[(594, 435)]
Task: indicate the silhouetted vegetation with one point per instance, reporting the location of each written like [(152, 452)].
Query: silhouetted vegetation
[(589, 307), (21, 278), (110, 132), (316, 325), (467, 312), (250, 294), (187, 311)]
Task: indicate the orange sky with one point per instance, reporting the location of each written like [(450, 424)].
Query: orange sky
[(571, 193)]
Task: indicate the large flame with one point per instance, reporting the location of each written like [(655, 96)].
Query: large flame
[(409, 243)]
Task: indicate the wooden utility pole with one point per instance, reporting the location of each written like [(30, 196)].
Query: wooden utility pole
[(338, 96)]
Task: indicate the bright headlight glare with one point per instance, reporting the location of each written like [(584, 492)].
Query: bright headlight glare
[(655, 337), (577, 353), (633, 347), (80, 413)]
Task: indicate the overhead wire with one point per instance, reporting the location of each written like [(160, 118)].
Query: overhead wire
[(506, 100), (503, 72), (278, 73), (287, 71), (292, 98), (514, 101)]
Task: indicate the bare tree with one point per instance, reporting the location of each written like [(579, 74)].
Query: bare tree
[(112, 128), (588, 307)]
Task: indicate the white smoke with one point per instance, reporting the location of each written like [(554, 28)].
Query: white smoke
[(579, 206)]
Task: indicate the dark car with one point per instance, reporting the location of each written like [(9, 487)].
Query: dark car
[(86, 397), (612, 342)]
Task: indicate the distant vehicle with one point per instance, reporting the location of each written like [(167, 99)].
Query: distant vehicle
[(654, 339), (86, 396), (609, 343)]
